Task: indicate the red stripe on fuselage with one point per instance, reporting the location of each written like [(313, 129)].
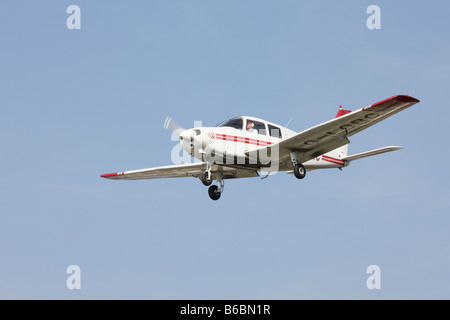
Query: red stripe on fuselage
[(226, 137)]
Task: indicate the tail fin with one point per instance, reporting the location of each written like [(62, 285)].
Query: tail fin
[(342, 112)]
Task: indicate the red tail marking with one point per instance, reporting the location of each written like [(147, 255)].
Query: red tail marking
[(333, 160), (342, 112)]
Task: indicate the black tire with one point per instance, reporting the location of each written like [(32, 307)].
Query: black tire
[(214, 193), (299, 171), (205, 180)]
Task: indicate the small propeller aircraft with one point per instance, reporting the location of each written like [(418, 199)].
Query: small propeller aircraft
[(244, 147)]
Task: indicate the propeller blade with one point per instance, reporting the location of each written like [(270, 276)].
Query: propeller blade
[(171, 125)]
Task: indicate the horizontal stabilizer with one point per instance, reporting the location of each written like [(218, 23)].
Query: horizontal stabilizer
[(370, 153)]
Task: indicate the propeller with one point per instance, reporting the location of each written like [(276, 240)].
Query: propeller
[(171, 125)]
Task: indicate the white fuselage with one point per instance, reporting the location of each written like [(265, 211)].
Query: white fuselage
[(237, 146)]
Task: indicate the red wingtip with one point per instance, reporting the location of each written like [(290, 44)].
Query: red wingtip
[(405, 98), (400, 97), (107, 175)]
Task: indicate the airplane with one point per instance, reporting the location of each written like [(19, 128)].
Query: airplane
[(246, 146)]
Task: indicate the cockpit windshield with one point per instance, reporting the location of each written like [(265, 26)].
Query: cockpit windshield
[(236, 123)]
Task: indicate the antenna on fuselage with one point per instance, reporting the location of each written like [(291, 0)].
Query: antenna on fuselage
[(288, 123)]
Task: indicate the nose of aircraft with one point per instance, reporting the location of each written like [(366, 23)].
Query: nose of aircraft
[(186, 140), (186, 135)]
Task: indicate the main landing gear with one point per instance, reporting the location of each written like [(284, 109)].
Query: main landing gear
[(299, 169), (215, 192)]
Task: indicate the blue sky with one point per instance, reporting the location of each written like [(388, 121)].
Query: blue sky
[(79, 103)]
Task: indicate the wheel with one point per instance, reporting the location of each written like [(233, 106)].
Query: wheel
[(299, 171), (205, 179), (214, 193)]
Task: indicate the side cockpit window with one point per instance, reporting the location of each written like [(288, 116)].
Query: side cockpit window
[(260, 127), (255, 126), (274, 131)]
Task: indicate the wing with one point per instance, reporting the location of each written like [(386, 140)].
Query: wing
[(183, 170), (333, 134)]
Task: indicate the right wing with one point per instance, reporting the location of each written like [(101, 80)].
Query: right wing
[(183, 170), (333, 134)]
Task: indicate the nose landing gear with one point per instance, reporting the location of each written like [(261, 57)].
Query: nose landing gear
[(214, 192)]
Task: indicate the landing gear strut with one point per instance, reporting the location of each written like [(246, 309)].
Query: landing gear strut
[(215, 192), (299, 169), (206, 177)]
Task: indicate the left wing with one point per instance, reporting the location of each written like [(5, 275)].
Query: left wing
[(183, 170)]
